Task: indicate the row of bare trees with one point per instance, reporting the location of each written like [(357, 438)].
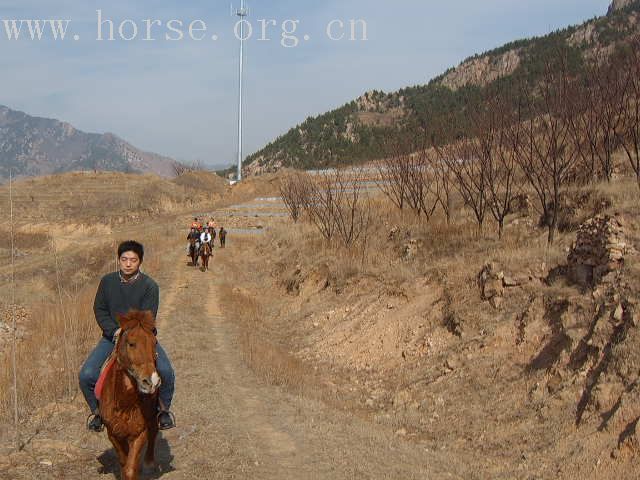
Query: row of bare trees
[(545, 137), (335, 202), (561, 131)]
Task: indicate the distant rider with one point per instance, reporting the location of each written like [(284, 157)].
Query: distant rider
[(223, 237), (193, 234), (205, 237)]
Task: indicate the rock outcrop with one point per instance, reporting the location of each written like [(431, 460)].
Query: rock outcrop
[(482, 70), (618, 5), (598, 251)]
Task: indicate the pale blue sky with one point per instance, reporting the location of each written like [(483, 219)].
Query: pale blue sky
[(180, 98)]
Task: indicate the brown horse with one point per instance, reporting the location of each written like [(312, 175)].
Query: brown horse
[(205, 254), (193, 252), (129, 400)]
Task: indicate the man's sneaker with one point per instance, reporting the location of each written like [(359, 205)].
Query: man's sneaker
[(94, 423), (166, 420)]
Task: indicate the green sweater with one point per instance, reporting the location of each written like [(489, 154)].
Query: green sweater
[(114, 297)]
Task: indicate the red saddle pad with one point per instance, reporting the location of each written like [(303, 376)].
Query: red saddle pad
[(103, 375)]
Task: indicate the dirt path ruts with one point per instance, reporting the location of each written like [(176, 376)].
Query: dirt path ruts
[(238, 427)]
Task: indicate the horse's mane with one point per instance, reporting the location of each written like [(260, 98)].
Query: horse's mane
[(138, 318)]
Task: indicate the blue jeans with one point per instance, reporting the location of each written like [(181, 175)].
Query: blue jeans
[(90, 372)]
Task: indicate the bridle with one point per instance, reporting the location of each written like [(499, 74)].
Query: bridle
[(121, 335)]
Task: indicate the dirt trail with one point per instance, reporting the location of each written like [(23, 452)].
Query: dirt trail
[(230, 423)]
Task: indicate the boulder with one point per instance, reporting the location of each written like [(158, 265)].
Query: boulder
[(491, 284)]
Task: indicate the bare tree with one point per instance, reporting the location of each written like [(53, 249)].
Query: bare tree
[(295, 190), (421, 184), (393, 173), (497, 129), (599, 111), (628, 132), (444, 185), (353, 211), (470, 181), (547, 154), (180, 168), (322, 205), (584, 128)]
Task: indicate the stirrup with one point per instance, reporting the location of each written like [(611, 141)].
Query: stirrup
[(171, 415), (90, 418)]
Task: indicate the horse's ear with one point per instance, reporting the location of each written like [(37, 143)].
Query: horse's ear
[(148, 321), (127, 321)]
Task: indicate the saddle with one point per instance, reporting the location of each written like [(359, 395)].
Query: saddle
[(107, 366)]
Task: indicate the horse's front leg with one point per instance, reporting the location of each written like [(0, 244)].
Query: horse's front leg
[(130, 471), (150, 455), (121, 449)]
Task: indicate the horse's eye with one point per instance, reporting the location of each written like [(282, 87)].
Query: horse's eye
[(132, 345)]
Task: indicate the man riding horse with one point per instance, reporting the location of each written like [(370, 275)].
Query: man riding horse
[(118, 293), (205, 237), (193, 245), (206, 247)]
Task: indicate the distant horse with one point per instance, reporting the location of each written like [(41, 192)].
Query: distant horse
[(193, 251), (129, 398), (205, 253)]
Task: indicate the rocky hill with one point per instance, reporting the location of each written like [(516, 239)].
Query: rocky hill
[(33, 146), (354, 132)]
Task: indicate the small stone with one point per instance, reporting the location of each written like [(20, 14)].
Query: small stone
[(370, 403), (554, 384), (510, 281), (401, 432), (496, 302), (618, 313), (46, 463), (453, 363)]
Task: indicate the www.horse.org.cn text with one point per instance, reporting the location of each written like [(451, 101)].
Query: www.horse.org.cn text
[(287, 32)]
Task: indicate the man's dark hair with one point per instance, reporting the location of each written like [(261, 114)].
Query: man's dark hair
[(131, 246)]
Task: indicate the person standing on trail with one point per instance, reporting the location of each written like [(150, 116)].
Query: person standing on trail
[(223, 237), (119, 292)]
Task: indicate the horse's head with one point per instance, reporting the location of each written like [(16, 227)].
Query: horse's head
[(137, 349)]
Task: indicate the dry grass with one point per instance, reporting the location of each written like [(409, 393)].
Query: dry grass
[(267, 359), (53, 346), (24, 241)]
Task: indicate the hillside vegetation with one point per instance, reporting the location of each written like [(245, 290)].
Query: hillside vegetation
[(357, 131)]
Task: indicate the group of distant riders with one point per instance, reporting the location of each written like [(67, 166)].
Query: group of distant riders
[(204, 233)]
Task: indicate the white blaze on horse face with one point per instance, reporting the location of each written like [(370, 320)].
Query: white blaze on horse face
[(155, 380)]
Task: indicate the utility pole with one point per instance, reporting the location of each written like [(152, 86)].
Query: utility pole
[(14, 326), (241, 13)]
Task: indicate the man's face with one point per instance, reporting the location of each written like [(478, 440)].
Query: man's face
[(129, 263)]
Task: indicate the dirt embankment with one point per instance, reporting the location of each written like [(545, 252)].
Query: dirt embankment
[(492, 351)]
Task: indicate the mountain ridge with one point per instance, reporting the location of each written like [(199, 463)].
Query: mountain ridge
[(35, 146), (353, 133)]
